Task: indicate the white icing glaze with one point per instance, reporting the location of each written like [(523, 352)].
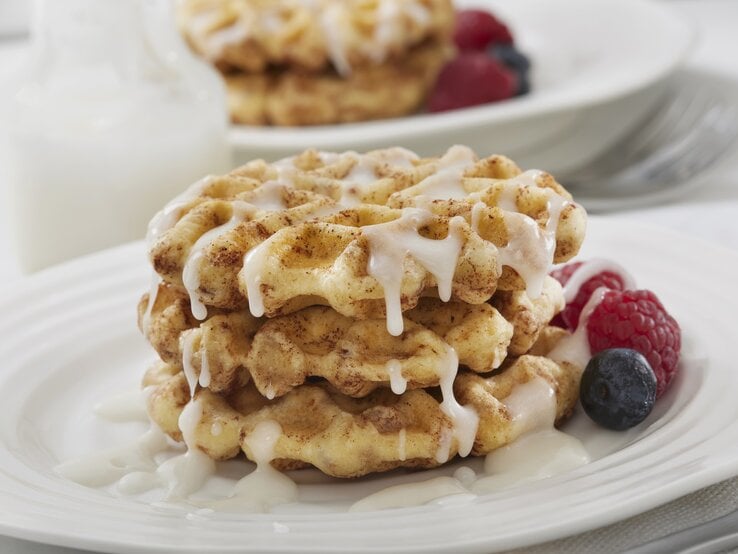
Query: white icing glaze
[(167, 217), (191, 271), (103, 468), (332, 22), (187, 345), (464, 419), (402, 445), (153, 294), (532, 406), (530, 250), (184, 474), (540, 451), (398, 383), (126, 406), (534, 456), (476, 214), (410, 494), (465, 475), (443, 452), (137, 482), (524, 253), (386, 31), (205, 376), (364, 171), (574, 349), (162, 221), (256, 258), (269, 196), (390, 243), (446, 182), (219, 40), (253, 266), (417, 12), (265, 487), (591, 268)]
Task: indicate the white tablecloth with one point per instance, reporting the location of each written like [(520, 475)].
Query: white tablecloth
[(710, 213)]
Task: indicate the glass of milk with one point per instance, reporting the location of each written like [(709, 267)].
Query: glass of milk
[(113, 118)]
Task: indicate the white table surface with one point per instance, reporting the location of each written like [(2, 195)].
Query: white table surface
[(710, 213)]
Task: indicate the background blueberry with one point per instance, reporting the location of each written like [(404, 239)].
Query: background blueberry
[(618, 388), (518, 62)]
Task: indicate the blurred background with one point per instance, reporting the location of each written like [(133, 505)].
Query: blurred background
[(109, 108)]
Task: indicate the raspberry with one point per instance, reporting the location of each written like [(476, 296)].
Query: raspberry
[(477, 29), (470, 79), (570, 314), (636, 319)]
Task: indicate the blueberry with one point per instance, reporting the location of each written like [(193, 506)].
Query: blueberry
[(618, 388), (516, 61)]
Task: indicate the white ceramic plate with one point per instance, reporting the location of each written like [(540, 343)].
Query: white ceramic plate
[(69, 339), (584, 53)]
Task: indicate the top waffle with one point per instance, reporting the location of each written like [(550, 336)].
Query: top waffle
[(251, 35), (368, 235)]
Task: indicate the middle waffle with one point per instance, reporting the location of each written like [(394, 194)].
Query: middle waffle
[(355, 356)]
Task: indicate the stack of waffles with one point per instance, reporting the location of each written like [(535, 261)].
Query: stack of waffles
[(379, 310), (308, 62)]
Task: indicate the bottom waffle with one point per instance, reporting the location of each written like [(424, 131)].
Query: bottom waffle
[(291, 98), (350, 437)]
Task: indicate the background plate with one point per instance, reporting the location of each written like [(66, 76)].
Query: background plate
[(69, 339), (585, 54)]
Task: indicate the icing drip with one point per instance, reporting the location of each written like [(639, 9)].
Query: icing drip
[(446, 182), (191, 271), (162, 221), (166, 218), (527, 251), (227, 36), (153, 294), (591, 268), (532, 406), (202, 27), (401, 444), (463, 418), (187, 473), (390, 243), (265, 487), (386, 31), (574, 349), (253, 266), (444, 445), (530, 251), (187, 345), (256, 258), (541, 451), (398, 383), (476, 214), (332, 22), (205, 376)]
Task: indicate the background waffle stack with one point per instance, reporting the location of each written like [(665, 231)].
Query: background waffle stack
[(380, 308), (309, 62)]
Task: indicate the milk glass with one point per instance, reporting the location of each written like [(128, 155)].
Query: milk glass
[(113, 118)]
